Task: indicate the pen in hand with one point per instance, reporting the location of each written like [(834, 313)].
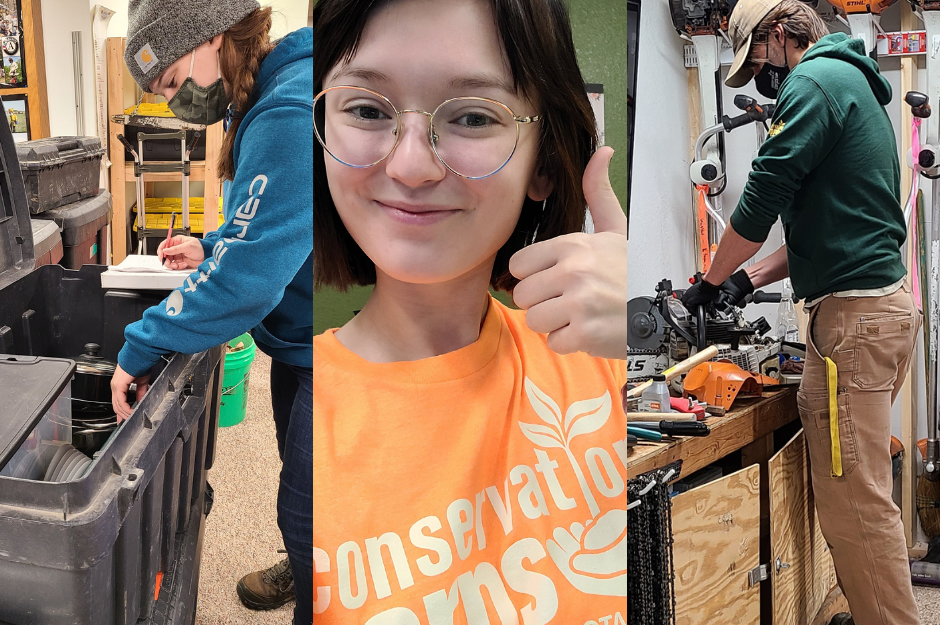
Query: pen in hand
[(169, 235)]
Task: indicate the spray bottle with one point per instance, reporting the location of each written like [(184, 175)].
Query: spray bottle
[(787, 327)]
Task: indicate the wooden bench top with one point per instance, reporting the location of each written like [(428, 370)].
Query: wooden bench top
[(751, 419)]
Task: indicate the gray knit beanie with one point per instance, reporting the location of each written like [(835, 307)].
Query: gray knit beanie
[(160, 32)]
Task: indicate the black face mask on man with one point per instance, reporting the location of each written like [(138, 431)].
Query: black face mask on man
[(770, 77)]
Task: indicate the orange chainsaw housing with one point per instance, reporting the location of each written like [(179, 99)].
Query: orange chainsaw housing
[(718, 383), (862, 6)]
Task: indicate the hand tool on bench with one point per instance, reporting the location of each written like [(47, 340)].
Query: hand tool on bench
[(675, 428), (688, 405), (660, 416), (678, 369), (643, 434)]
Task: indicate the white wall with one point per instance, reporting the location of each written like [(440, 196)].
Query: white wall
[(289, 15), (662, 235), (661, 218), (662, 228), (61, 17)]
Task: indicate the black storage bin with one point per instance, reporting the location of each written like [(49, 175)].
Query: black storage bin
[(35, 413), (59, 170), (83, 226), (163, 149), (90, 551), (47, 243)]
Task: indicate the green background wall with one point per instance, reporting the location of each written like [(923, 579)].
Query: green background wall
[(600, 35)]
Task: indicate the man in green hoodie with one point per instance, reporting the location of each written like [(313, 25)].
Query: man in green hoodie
[(829, 170)]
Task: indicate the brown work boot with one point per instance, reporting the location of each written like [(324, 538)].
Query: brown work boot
[(268, 589)]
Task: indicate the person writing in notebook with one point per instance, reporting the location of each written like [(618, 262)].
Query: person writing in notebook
[(213, 60)]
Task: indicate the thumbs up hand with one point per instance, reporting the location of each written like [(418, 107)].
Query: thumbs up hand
[(574, 287)]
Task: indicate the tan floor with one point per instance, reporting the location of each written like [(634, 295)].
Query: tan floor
[(241, 531), (928, 604), (242, 534)]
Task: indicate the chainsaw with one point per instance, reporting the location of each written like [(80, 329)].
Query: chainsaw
[(662, 332)]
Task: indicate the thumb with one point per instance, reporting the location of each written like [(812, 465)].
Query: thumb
[(142, 390), (605, 208)]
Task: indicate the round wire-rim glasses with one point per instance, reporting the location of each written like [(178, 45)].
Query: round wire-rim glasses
[(432, 137)]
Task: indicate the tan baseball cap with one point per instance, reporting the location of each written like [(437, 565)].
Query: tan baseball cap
[(745, 17)]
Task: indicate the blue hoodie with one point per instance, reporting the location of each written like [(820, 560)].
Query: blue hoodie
[(258, 271)]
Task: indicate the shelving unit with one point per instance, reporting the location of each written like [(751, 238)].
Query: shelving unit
[(122, 171)]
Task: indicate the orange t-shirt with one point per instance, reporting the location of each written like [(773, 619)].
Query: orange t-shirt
[(484, 486)]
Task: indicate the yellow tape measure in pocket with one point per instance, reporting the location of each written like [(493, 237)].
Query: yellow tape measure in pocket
[(832, 382)]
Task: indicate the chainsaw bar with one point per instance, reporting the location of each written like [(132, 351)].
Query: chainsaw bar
[(643, 364)]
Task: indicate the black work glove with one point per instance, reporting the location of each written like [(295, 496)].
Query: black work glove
[(700, 293), (735, 289)]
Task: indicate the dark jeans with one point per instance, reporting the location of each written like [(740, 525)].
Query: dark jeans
[(292, 400)]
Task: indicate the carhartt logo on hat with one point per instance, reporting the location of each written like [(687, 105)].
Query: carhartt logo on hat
[(146, 58), (175, 28)]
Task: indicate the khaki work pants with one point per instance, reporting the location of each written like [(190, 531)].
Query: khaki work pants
[(871, 341)]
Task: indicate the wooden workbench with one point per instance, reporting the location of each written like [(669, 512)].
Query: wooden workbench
[(757, 515), (750, 420)]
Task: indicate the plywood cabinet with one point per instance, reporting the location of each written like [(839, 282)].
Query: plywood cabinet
[(717, 531), (801, 569)]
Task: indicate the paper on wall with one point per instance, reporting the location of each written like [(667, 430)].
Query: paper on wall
[(596, 96)]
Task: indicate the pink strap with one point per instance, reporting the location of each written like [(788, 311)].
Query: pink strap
[(915, 185)]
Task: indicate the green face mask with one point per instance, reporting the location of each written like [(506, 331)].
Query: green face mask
[(199, 105)]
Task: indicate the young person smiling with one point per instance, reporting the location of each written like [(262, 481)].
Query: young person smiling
[(452, 448)]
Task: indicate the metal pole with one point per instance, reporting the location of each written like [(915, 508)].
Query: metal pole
[(932, 23), (79, 87), (141, 200)]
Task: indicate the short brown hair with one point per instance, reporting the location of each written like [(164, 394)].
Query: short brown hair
[(536, 36), (799, 20)]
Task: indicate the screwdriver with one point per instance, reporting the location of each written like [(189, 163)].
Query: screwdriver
[(644, 434), (675, 428)]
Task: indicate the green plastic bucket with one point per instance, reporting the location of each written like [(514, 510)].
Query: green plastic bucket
[(235, 382)]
